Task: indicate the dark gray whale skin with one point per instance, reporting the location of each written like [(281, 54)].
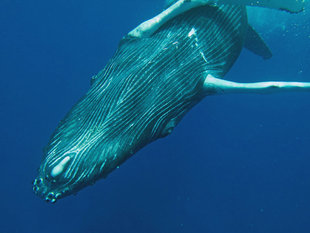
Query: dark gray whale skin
[(140, 96)]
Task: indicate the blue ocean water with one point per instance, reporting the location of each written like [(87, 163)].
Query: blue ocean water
[(235, 164)]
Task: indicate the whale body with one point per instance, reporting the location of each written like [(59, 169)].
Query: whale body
[(140, 96)]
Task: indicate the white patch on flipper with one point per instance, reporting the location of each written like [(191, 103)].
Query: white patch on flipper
[(58, 169)]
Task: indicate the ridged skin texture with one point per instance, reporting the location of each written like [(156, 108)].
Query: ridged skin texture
[(140, 96)]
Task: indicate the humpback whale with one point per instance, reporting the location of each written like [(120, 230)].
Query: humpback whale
[(161, 69)]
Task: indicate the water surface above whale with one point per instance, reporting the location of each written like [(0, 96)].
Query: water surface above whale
[(160, 70)]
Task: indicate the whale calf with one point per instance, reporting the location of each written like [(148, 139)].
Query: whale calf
[(160, 70)]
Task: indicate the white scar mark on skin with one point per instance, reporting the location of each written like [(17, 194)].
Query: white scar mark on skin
[(57, 170)]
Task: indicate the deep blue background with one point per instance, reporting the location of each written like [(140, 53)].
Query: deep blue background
[(235, 164)]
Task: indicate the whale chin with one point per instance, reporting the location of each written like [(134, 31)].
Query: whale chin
[(48, 190)]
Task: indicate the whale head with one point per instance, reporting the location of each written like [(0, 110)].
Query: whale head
[(70, 165), (66, 173), (86, 146)]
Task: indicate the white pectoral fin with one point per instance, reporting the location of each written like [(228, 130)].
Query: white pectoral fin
[(214, 85), (148, 27)]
